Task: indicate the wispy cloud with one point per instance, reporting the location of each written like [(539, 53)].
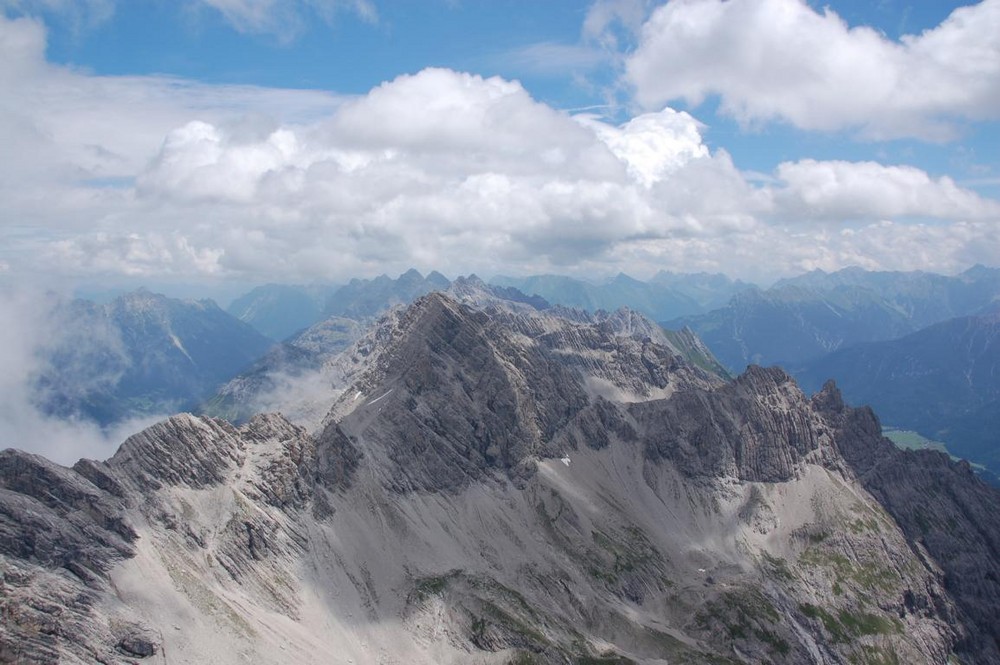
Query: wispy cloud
[(550, 58), (283, 19), (286, 19), (31, 332), (79, 14)]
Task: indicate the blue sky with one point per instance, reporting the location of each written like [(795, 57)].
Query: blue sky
[(252, 140)]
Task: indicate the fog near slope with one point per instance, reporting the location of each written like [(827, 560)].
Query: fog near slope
[(33, 328), (304, 398)]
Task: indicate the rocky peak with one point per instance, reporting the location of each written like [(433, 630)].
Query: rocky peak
[(476, 293), (759, 427), (456, 393), (454, 397), (54, 516), (829, 401), (181, 450), (630, 323)]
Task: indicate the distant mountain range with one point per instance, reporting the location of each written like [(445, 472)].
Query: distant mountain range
[(141, 354), (666, 296), (800, 319), (280, 310), (942, 381)]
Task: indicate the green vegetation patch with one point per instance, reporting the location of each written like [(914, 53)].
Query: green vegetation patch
[(868, 655), (606, 658), (871, 576), (847, 625), (494, 614), (425, 587), (776, 567), (745, 615), (863, 525), (910, 440), (630, 549)]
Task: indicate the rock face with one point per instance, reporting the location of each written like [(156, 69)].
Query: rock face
[(303, 376), (507, 485), (943, 511)]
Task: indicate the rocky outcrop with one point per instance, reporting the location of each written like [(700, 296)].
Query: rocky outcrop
[(59, 536), (182, 450), (455, 400), (757, 428)]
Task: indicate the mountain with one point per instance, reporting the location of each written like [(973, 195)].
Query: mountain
[(142, 353), (292, 377), (791, 324), (924, 298), (708, 290), (942, 381), (304, 375), (280, 310), (505, 485), (666, 296), (800, 319), (365, 298)]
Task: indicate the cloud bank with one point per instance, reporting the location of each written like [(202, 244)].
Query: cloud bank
[(153, 177)]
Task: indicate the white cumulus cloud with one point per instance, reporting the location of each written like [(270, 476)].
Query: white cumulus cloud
[(839, 190), (783, 60)]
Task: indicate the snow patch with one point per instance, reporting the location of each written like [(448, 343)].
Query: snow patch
[(380, 397), (180, 347)]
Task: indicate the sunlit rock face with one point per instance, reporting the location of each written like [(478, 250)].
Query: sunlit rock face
[(502, 483)]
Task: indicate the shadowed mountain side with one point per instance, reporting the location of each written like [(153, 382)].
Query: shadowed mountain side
[(945, 510), (281, 310), (942, 381)]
